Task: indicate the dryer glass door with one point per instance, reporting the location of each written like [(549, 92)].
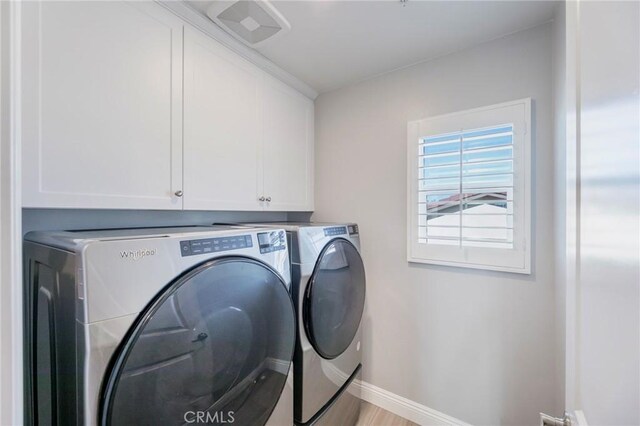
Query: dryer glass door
[(214, 347), (334, 299)]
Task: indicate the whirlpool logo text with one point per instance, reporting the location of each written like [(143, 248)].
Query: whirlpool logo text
[(137, 254)]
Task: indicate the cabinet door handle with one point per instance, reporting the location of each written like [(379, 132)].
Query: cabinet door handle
[(178, 193), (261, 198), (268, 199)]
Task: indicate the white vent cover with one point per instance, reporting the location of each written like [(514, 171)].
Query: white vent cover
[(253, 22)]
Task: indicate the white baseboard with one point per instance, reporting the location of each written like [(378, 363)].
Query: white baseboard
[(404, 407)]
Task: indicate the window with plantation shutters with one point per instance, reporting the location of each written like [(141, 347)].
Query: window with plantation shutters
[(465, 184), (469, 188)]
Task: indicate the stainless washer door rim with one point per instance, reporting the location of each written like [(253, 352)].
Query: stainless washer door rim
[(204, 345), (334, 298)]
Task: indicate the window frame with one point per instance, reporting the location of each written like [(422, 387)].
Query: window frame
[(516, 260)]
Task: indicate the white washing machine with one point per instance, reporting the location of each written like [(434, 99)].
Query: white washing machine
[(159, 326), (328, 288)]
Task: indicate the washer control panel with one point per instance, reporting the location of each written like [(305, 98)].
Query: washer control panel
[(213, 245), (272, 241), (335, 230)]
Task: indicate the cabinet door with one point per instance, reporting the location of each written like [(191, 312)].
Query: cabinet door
[(222, 131), (288, 148), (102, 114)]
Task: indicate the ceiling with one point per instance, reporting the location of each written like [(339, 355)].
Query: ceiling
[(334, 43)]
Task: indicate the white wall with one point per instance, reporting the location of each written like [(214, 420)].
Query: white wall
[(5, 335), (475, 345), (10, 247), (603, 352), (559, 192)]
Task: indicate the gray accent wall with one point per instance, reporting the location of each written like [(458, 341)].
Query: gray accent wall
[(72, 219), (476, 345)]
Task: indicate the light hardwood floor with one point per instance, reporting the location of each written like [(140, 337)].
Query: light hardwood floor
[(372, 415)]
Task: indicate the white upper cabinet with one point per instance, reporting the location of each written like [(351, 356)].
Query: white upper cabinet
[(102, 96), (248, 138), (124, 106), (222, 132), (288, 147)]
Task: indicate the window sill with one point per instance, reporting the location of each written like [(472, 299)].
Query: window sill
[(525, 271)]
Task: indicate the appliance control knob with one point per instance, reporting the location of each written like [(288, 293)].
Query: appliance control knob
[(179, 193)]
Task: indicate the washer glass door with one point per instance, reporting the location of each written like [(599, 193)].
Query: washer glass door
[(334, 298), (214, 347)]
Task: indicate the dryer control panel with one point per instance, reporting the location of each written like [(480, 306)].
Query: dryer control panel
[(213, 245), (271, 241), (335, 230)]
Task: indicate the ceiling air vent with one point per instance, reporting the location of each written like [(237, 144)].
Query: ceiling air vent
[(253, 22)]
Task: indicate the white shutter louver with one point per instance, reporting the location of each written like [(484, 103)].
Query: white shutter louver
[(465, 183)]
